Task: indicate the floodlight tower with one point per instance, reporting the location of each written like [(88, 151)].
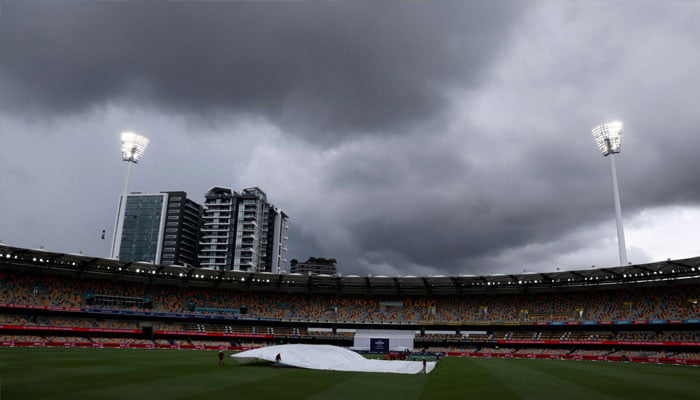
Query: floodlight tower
[(608, 138), (133, 147)]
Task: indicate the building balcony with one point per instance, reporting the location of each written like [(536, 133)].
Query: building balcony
[(224, 229), (216, 226), (210, 238), (221, 224), (210, 265), (213, 253), (223, 221), (213, 247), (217, 252), (217, 213), (192, 212), (207, 244), (211, 261)]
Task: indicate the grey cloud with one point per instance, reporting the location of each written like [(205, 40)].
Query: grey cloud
[(500, 176), (319, 69), (525, 187)]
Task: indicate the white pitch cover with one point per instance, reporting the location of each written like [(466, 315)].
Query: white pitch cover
[(329, 358)]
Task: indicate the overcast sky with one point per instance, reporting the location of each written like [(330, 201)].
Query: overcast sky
[(402, 138)]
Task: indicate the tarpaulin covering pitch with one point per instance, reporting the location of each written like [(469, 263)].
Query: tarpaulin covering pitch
[(330, 358)]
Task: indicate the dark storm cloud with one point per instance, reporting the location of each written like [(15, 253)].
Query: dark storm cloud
[(455, 137), (322, 69), (464, 215), (453, 206), (474, 211)]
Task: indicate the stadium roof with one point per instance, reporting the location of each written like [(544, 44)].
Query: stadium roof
[(651, 274)]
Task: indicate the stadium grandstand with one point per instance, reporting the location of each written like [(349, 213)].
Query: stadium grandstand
[(645, 312)]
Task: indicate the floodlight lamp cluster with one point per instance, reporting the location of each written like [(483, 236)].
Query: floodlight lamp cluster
[(133, 146), (608, 137)]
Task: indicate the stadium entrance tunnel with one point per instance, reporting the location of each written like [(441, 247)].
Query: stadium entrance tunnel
[(330, 358)]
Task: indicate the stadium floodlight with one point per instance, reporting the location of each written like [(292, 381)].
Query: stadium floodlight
[(608, 137), (133, 146)]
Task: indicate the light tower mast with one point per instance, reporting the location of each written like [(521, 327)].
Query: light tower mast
[(608, 137), (133, 147)]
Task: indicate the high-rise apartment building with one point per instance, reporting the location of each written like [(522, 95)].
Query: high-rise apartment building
[(251, 230), (276, 240), (160, 228), (242, 232), (233, 231), (182, 230), (218, 229)]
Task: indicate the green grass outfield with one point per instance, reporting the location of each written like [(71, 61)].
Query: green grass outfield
[(37, 373)]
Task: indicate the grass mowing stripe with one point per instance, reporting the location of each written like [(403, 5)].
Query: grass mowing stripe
[(464, 378), (76, 374), (181, 386), (57, 364), (634, 381), (530, 381), (105, 370), (288, 384), (375, 386), (71, 382)]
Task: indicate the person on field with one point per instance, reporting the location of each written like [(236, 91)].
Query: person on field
[(278, 358), (221, 358), (425, 365)]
